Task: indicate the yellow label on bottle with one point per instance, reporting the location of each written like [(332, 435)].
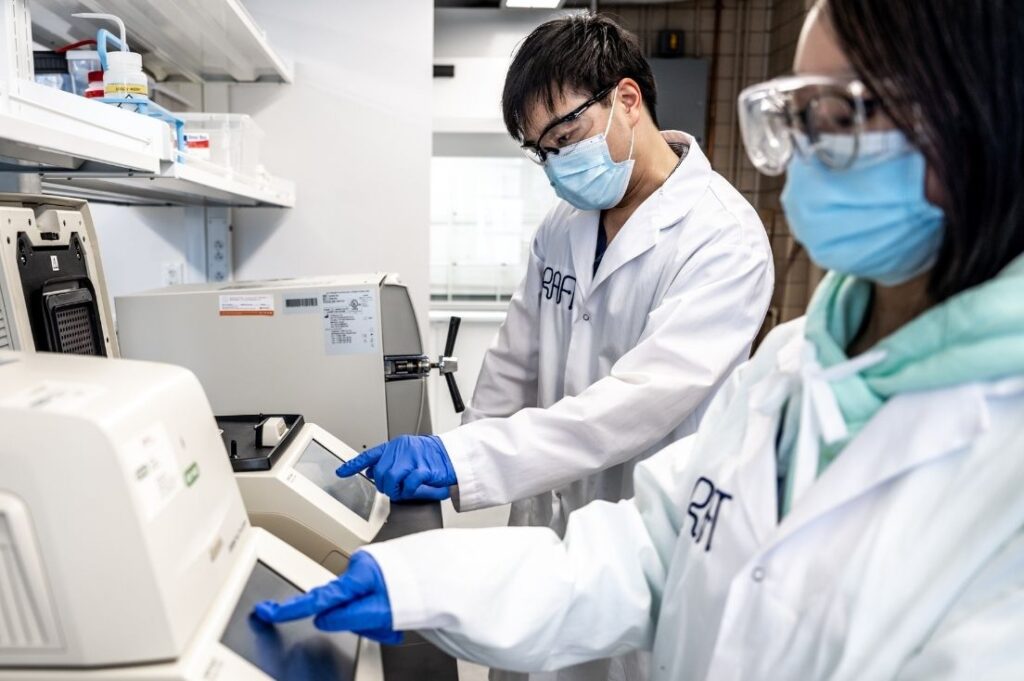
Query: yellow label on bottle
[(122, 89)]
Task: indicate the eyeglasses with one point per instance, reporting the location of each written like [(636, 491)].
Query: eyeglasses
[(563, 131), (815, 115)]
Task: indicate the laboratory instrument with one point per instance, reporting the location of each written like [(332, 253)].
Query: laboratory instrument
[(285, 469), (53, 293), (344, 351), (128, 554)]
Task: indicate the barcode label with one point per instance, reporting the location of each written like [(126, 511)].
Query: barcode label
[(302, 302)]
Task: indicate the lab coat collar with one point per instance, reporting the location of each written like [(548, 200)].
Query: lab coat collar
[(662, 209), (886, 448)]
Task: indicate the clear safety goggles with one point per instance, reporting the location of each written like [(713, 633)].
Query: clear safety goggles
[(813, 115)]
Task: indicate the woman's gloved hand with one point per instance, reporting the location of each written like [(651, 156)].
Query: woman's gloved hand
[(356, 601), (408, 467)]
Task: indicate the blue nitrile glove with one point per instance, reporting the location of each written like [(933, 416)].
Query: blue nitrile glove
[(356, 601), (408, 467)]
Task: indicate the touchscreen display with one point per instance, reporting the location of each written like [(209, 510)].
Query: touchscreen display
[(293, 651), (318, 464)]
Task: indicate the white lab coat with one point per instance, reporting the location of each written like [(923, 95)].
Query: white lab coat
[(903, 560), (595, 373), (591, 374)]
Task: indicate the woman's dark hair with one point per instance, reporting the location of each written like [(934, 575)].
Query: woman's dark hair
[(950, 74), (580, 52)]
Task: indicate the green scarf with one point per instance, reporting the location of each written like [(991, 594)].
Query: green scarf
[(977, 335)]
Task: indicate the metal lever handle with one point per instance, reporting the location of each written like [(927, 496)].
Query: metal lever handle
[(453, 390), (453, 333), (449, 364)]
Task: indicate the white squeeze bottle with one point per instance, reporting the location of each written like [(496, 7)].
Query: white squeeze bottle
[(124, 76)]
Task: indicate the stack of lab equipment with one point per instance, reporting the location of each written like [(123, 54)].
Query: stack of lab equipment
[(127, 551)]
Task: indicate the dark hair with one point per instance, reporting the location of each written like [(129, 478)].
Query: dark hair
[(580, 52), (951, 76)]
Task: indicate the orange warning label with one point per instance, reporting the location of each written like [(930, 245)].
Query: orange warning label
[(241, 305)]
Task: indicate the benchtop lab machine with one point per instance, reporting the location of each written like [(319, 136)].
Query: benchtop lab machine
[(127, 550), (345, 350), (53, 298)]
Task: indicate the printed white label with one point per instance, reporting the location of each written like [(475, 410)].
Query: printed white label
[(236, 305), (55, 396), (152, 470), (198, 145), (54, 263), (350, 322)]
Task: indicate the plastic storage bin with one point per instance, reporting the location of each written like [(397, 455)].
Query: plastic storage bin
[(228, 140), (51, 70)]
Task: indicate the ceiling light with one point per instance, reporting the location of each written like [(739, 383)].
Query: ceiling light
[(535, 4)]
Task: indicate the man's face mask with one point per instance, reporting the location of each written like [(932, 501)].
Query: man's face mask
[(583, 173)]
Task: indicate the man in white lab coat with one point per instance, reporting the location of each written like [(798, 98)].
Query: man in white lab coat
[(646, 286)]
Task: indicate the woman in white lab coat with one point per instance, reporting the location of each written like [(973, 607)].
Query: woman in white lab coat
[(852, 506)]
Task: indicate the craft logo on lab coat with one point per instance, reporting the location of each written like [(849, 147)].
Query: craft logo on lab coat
[(705, 504), (558, 287)]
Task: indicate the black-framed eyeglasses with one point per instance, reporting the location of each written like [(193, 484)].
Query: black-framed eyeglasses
[(560, 132)]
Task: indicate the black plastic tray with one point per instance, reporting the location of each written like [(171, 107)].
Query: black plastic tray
[(248, 455)]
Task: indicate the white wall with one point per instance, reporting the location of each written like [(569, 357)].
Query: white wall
[(479, 43), (484, 32), (137, 243), (353, 131)]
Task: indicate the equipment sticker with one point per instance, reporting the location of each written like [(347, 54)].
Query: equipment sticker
[(152, 472), (300, 302), (350, 322), (55, 396), (237, 305)]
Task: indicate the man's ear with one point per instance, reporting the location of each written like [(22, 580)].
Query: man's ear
[(630, 99)]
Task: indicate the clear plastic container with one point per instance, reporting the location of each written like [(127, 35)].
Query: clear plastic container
[(80, 64), (234, 139)]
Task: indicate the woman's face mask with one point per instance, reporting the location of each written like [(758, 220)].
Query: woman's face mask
[(854, 196), (870, 220)]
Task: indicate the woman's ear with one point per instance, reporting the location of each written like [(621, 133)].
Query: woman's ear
[(933, 189)]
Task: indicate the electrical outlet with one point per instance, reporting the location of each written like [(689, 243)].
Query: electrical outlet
[(173, 273)]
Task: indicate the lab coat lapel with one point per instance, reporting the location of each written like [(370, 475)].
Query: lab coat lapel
[(910, 431), (764, 414), (757, 470), (583, 243), (664, 208)]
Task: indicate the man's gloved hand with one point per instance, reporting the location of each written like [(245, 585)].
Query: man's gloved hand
[(356, 601), (408, 467)]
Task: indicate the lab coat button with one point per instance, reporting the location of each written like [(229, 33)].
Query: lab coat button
[(586, 317), (758, 574)]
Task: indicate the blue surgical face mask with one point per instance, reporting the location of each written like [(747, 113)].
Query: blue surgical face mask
[(585, 175), (871, 220)]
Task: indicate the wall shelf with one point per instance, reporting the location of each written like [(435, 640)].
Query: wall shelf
[(44, 126), (199, 40), (87, 148), (176, 184)]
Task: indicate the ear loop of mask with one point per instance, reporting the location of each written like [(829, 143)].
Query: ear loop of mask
[(607, 128)]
